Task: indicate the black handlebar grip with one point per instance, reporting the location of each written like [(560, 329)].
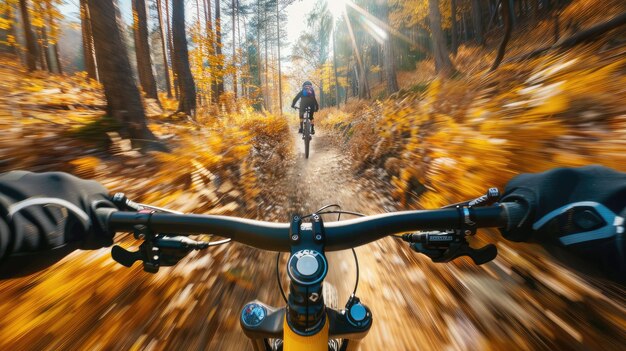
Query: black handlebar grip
[(515, 213)]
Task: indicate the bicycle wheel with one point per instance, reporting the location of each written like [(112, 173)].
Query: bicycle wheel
[(307, 137)]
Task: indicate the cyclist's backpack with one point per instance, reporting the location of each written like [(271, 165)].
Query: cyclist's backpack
[(308, 91)]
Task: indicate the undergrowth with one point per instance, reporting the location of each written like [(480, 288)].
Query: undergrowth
[(457, 138)]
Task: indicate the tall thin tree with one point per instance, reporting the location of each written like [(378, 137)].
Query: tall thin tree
[(171, 46), (55, 36), (31, 46), (266, 94), (364, 90), (335, 67), (142, 50), (477, 21), (280, 80), (235, 10), (508, 27), (219, 79), (89, 53), (12, 31), (123, 99), (45, 45), (44, 50), (443, 64), (186, 85), (454, 47), (210, 46), (168, 84), (388, 56)]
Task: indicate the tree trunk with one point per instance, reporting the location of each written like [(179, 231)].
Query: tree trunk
[(335, 68), (557, 35), (57, 58), (477, 21), (535, 8), (493, 14), (186, 85), (168, 84), (142, 50), (465, 31), (171, 46), (13, 31), (258, 55), (211, 47), (388, 56), (363, 86), (31, 46), (280, 83), (201, 43), (506, 13), (89, 54), (244, 78), (42, 34), (267, 89), (40, 50), (44, 47), (443, 64), (234, 49), (390, 67), (455, 34), (55, 46), (121, 92), (512, 17), (322, 95), (219, 79)]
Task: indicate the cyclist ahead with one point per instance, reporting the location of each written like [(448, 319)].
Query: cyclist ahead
[(576, 213), (307, 100)]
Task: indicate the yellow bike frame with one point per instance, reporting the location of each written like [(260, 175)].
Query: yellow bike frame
[(295, 342)]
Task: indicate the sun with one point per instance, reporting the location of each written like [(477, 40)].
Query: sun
[(337, 7)]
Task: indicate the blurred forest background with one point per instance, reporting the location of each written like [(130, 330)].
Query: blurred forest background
[(185, 104)]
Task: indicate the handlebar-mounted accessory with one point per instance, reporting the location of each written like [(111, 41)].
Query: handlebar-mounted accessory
[(157, 249), (447, 245)]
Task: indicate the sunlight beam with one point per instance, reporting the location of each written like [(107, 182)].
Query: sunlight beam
[(382, 25), (379, 34)]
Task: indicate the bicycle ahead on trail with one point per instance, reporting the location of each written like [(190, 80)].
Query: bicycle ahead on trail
[(311, 319), (307, 134)]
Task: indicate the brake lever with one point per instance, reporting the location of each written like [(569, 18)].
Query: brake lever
[(159, 251), (446, 247)]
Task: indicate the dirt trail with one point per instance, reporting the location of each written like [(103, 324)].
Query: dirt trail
[(390, 283)]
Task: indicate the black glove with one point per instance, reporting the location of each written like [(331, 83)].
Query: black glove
[(579, 209), (44, 211)]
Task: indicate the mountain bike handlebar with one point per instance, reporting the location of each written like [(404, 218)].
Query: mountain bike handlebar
[(338, 235)]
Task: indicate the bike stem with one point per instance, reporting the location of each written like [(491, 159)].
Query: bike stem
[(307, 267)]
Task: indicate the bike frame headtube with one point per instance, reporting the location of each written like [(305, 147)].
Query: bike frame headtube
[(339, 235)]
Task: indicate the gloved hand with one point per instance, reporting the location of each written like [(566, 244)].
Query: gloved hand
[(43, 211), (579, 209)]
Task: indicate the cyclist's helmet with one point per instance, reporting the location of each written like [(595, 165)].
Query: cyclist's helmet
[(307, 83)]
